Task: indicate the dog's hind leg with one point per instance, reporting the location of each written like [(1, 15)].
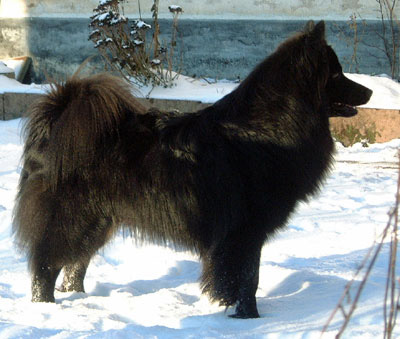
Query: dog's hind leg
[(70, 243), (43, 282), (88, 243), (44, 274), (38, 233), (74, 276)]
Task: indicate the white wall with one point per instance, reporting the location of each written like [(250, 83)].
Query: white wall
[(215, 9)]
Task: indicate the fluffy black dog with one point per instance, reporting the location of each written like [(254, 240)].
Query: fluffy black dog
[(219, 182)]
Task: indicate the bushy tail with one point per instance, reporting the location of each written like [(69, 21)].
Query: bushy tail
[(67, 129), (75, 119)]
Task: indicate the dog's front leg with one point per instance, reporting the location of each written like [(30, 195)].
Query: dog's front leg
[(230, 274), (246, 305)]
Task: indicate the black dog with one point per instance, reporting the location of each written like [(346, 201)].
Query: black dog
[(219, 182)]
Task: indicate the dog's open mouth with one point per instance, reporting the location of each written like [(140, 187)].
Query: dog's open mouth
[(342, 110)]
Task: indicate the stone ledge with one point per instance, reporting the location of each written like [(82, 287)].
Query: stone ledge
[(18, 67), (15, 105), (382, 123)]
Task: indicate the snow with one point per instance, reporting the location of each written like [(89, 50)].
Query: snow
[(102, 16), (186, 88), (138, 42), (8, 85), (147, 291), (204, 91), (5, 69), (142, 291), (386, 91), (118, 19), (93, 33), (141, 24), (175, 9)]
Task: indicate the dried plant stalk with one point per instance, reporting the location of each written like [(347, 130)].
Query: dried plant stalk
[(392, 295), (127, 49)]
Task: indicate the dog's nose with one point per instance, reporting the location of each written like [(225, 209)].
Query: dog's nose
[(368, 93)]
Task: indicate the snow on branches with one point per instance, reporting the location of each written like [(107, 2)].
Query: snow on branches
[(129, 50), (175, 9)]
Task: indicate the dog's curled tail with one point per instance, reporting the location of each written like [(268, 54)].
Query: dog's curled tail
[(73, 122)]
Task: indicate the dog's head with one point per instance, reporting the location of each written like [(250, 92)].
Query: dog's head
[(341, 93)]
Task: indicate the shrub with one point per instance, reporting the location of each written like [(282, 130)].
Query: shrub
[(127, 48)]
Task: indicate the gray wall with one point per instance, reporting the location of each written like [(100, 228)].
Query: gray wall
[(209, 48)]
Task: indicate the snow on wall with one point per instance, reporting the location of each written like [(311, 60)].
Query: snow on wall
[(228, 9)]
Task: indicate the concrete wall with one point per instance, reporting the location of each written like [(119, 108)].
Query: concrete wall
[(221, 9), (209, 48), (224, 45)]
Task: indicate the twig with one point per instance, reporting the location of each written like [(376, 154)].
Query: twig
[(390, 291), (131, 54), (390, 300)]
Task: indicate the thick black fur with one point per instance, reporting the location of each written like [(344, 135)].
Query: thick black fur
[(220, 181)]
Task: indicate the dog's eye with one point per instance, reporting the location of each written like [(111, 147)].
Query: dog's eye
[(335, 75)]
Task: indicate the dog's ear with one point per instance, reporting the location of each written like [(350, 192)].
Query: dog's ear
[(319, 30), (309, 27), (315, 32)]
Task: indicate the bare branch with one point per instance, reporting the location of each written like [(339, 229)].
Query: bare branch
[(392, 295), (129, 51)]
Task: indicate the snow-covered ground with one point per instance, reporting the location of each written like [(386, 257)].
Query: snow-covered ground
[(146, 291), (386, 91)]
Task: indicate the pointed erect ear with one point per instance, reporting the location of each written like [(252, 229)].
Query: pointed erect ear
[(316, 32), (309, 27), (319, 29)]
